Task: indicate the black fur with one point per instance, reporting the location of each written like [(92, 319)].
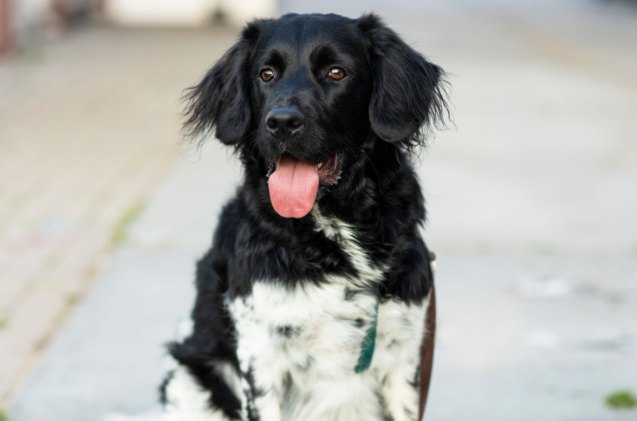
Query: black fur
[(373, 119)]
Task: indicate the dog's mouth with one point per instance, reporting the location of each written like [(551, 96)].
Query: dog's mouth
[(293, 183)]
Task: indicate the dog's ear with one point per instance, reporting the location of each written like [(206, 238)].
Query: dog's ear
[(408, 91), (222, 99)]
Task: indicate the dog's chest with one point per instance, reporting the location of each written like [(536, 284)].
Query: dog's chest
[(309, 326), (304, 343), (302, 346), (302, 329)]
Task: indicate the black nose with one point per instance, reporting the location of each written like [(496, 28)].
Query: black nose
[(284, 120)]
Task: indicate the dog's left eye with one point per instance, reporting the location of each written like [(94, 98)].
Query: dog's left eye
[(336, 73), (266, 75)]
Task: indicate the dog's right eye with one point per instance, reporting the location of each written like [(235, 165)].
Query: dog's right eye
[(336, 73), (266, 75)]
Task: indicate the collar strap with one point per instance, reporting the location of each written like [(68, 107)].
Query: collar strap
[(368, 344)]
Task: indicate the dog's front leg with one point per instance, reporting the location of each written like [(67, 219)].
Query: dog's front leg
[(263, 399), (186, 398), (265, 404), (262, 379), (400, 333)]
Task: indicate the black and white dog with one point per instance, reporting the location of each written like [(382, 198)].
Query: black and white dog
[(311, 301)]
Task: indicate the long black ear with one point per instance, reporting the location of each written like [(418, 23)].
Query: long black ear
[(408, 91), (222, 99)]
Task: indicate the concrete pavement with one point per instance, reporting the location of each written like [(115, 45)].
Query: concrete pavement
[(88, 127)]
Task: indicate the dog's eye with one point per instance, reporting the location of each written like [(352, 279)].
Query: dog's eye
[(336, 73), (266, 75)]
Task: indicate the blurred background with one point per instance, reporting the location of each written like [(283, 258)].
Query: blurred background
[(532, 200)]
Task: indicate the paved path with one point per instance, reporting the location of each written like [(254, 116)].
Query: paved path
[(531, 204), (88, 126)]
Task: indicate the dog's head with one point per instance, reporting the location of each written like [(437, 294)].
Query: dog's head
[(305, 94)]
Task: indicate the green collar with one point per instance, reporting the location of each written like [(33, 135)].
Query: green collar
[(368, 345)]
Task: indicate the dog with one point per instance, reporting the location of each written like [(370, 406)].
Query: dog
[(311, 302)]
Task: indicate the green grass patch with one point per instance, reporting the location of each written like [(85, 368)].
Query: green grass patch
[(4, 323), (543, 248), (3, 415), (621, 399), (72, 299), (120, 231)]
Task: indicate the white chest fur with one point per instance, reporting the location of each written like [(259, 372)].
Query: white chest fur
[(301, 344)]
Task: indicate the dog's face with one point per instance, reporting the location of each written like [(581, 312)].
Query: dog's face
[(311, 88), (307, 92)]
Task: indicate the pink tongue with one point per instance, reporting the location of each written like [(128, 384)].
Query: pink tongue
[(293, 186)]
